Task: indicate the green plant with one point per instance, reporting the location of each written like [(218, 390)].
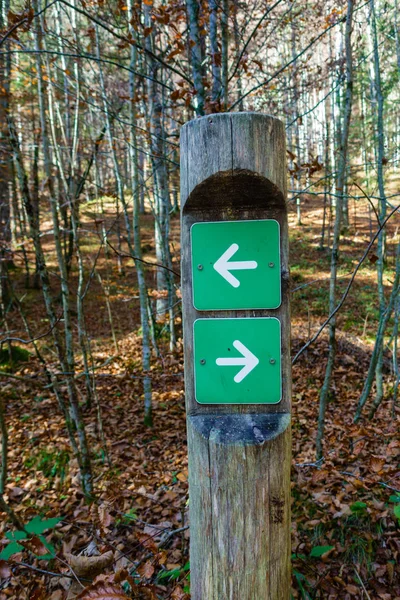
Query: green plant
[(51, 463), (173, 573), (302, 583), (357, 535), (359, 509), (358, 551), (32, 538), (318, 551), (128, 517), (396, 509)]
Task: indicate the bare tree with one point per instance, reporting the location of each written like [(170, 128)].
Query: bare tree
[(343, 157)]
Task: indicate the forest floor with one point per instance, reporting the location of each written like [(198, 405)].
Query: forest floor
[(345, 532)]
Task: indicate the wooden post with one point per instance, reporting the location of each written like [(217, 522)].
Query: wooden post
[(237, 370)]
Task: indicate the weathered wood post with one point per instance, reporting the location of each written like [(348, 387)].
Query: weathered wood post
[(235, 289)]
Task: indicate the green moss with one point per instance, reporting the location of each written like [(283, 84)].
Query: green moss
[(18, 355)]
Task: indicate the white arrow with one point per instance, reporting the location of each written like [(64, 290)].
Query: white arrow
[(248, 361), (224, 267)]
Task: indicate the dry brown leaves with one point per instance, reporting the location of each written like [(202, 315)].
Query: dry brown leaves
[(89, 567), (103, 591)]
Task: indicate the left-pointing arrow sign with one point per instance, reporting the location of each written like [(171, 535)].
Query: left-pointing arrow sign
[(248, 361), (224, 267)]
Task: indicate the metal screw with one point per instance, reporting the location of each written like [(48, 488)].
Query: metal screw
[(271, 264), (272, 361), (203, 361), (200, 267)]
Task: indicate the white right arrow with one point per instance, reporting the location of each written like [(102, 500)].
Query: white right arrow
[(224, 267), (248, 361)]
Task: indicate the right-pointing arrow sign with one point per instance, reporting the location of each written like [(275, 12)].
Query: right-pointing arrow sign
[(248, 361), (224, 267)]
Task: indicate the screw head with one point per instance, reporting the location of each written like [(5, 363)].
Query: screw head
[(271, 265), (203, 361), (272, 361), (200, 267)]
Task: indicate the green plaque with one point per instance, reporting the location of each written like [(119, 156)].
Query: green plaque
[(237, 361), (236, 265)]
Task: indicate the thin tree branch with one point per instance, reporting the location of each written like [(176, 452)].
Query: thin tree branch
[(146, 262), (88, 57), (19, 378), (28, 18), (362, 583), (127, 40), (279, 71), (346, 293), (252, 34), (369, 200), (39, 337)]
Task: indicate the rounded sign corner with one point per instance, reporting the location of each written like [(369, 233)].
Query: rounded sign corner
[(197, 308), (273, 318), (278, 401), (194, 225)]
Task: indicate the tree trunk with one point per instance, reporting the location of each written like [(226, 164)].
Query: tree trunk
[(343, 151), (196, 54), (380, 149), (215, 57), (5, 163), (165, 281), (67, 360), (224, 53), (384, 319), (137, 243)]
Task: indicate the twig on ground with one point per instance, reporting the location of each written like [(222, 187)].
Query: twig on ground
[(20, 378), (362, 583), (382, 483), (44, 572)]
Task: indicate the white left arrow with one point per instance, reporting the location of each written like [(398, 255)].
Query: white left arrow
[(248, 361), (224, 266)]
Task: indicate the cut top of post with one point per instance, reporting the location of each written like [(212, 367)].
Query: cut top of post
[(250, 145)]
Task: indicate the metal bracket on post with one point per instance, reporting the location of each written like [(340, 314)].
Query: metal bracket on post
[(235, 290)]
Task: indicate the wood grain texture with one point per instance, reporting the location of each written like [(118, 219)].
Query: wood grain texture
[(233, 167)]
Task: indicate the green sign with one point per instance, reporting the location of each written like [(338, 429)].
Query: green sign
[(237, 361), (236, 265)]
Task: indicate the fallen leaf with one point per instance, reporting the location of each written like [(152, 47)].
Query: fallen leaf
[(90, 566), (104, 517), (5, 570), (39, 593), (146, 570), (147, 541), (178, 593), (377, 464), (103, 591), (35, 545), (15, 492)]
